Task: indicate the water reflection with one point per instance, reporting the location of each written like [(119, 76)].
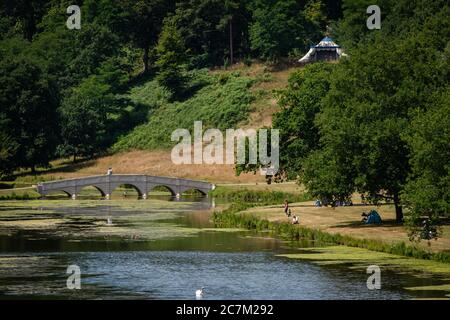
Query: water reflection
[(231, 265)]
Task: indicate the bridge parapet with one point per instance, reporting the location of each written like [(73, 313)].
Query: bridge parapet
[(107, 183)]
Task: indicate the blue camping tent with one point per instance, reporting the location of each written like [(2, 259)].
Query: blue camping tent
[(373, 217)]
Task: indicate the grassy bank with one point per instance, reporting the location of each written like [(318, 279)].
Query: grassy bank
[(234, 217), (251, 196), (27, 193)]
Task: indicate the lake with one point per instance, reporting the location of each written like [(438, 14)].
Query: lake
[(164, 249)]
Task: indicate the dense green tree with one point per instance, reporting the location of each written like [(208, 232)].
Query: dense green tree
[(8, 150), (28, 123), (26, 14), (427, 192), (398, 18), (7, 29), (211, 29), (94, 44), (300, 103), (171, 55), (112, 14), (278, 27), (368, 110), (144, 23), (115, 72), (84, 118), (69, 56), (327, 177)]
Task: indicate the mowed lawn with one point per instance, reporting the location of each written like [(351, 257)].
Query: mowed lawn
[(347, 221)]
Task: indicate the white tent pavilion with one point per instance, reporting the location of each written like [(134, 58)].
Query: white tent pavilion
[(325, 50)]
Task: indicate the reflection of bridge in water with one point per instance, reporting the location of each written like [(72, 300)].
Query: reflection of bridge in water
[(107, 183)]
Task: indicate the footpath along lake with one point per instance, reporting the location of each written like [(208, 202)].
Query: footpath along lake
[(161, 249)]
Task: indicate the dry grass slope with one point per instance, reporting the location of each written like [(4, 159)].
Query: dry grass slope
[(158, 162)]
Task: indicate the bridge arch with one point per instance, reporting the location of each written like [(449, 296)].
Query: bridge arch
[(162, 187), (58, 192), (194, 192), (139, 189), (102, 192), (83, 191)]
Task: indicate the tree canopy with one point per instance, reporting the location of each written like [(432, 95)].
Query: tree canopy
[(377, 122)]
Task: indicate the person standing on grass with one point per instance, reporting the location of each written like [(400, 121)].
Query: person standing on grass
[(286, 207)]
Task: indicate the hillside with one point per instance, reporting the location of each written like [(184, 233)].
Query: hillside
[(241, 96)]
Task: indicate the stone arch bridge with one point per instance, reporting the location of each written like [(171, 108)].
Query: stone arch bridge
[(107, 183)]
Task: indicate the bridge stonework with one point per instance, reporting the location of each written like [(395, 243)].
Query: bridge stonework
[(107, 183)]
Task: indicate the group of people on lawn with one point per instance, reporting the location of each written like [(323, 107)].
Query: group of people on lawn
[(287, 212), (372, 218)]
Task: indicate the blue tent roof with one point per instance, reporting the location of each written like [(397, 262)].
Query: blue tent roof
[(326, 43)]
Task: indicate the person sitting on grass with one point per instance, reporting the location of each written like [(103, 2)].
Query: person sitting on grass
[(294, 220), (364, 217)]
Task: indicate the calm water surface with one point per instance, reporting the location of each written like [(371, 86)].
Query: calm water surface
[(230, 265)]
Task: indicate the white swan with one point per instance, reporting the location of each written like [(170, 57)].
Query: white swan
[(199, 293)]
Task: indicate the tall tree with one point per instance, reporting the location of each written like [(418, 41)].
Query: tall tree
[(28, 114), (26, 13), (368, 110), (171, 54), (145, 22), (84, 118), (278, 27), (427, 192), (300, 104), (210, 28)]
